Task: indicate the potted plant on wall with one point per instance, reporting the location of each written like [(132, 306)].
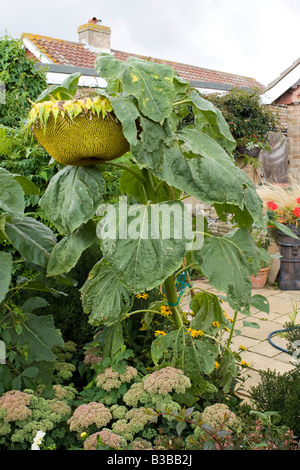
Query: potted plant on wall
[(249, 121)]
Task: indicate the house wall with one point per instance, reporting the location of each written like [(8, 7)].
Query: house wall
[(293, 134)]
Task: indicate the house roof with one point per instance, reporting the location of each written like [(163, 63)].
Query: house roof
[(287, 79), (76, 54)]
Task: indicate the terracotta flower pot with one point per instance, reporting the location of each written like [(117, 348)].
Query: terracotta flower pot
[(259, 281)]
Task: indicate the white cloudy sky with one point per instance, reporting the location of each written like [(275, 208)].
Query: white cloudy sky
[(255, 38)]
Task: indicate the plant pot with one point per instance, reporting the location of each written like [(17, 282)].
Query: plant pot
[(250, 152), (259, 281), (289, 273)]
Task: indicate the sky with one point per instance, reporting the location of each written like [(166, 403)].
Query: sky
[(253, 38)]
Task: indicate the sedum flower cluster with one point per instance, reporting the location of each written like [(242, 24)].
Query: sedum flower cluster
[(22, 415), (104, 438), (89, 416), (110, 378), (133, 422), (219, 418), (155, 391)]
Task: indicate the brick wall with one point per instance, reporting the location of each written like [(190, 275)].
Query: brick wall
[(293, 134)]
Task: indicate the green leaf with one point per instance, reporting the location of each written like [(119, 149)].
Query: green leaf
[(169, 349), (210, 120), (283, 228), (38, 286), (127, 112), (211, 175), (65, 91), (227, 370), (129, 184), (151, 84), (5, 273), (228, 263), (207, 308), (261, 303), (27, 185), (40, 335), (251, 324), (11, 194), (71, 83), (73, 196), (33, 303), (67, 252), (180, 427), (30, 372), (218, 175), (146, 244), (104, 296), (114, 340), (32, 239)]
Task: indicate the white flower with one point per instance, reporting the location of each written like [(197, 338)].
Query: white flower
[(37, 441)]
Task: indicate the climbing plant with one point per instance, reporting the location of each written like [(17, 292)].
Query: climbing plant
[(22, 81)]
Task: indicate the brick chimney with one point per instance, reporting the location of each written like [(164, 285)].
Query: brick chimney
[(94, 35)]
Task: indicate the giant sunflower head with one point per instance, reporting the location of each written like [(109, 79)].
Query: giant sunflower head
[(78, 132)]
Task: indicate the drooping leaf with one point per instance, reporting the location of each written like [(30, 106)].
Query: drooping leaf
[(146, 244), (127, 112), (151, 84), (207, 309), (66, 253), (11, 194), (65, 91), (5, 273), (32, 239), (73, 196), (114, 340), (211, 121), (228, 263), (211, 176), (104, 296)]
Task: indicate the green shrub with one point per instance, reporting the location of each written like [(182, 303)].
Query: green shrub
[(281, 393)]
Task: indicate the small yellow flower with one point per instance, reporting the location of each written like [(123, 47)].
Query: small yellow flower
[(216, 324), (227, 317), (217, 365), (195, 333), (158, 332), (165, 311), (242, 348), (142, 296), (244, 363)]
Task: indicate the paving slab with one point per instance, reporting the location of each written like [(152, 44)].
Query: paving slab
[(260, 353)]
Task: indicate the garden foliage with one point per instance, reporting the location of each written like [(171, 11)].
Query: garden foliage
[(129, 295)]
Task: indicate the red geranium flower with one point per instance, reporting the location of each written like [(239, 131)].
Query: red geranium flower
[(298, 200), (271, 205), (296, 212)]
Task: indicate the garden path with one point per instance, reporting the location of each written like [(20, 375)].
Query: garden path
[(260, 353)]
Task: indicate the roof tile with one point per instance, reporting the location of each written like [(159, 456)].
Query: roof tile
[(77, 54)]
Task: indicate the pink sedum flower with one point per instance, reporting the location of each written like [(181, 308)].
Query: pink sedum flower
[(88, 415)]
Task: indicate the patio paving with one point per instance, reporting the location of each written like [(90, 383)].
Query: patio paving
[(260, 353)]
